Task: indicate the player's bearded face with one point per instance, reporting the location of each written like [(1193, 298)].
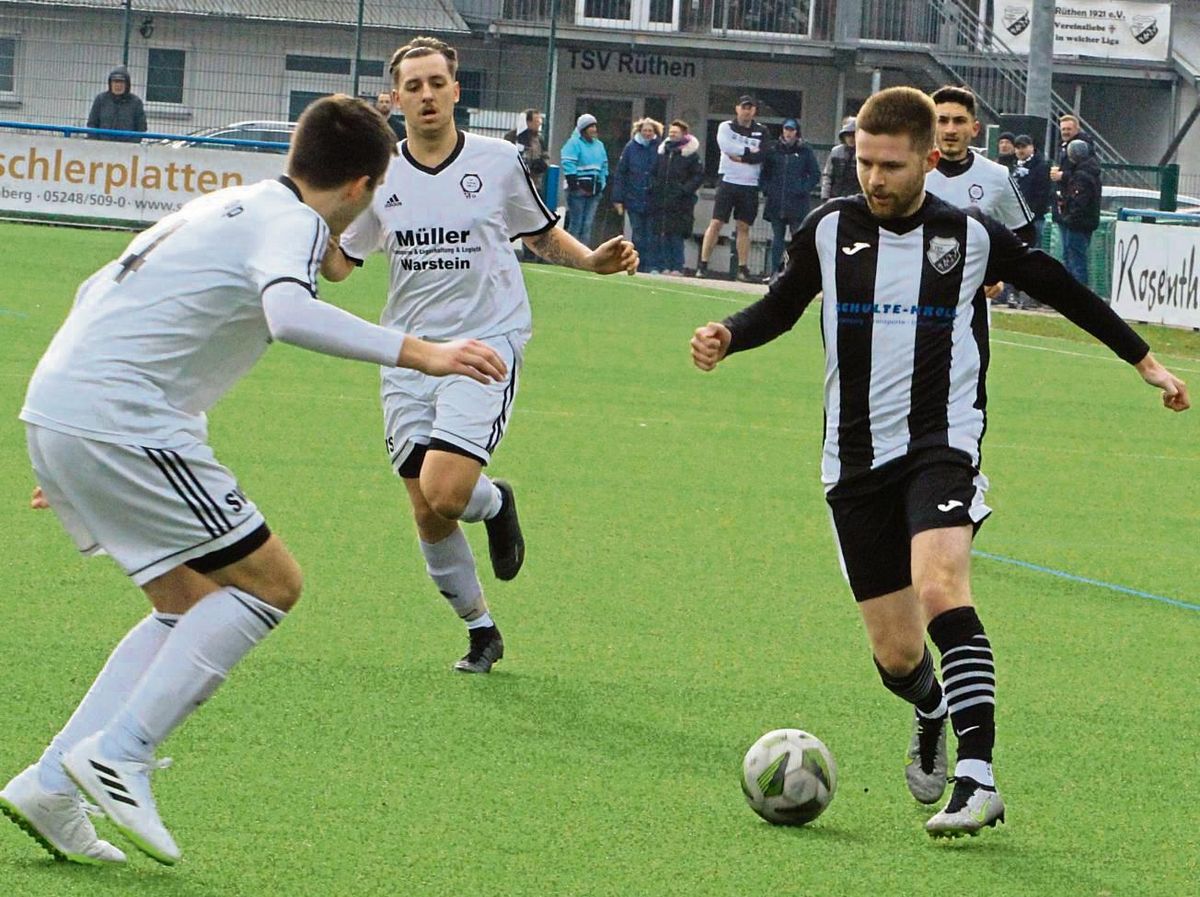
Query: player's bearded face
[(956, 128), (892, 172), (426, 93)]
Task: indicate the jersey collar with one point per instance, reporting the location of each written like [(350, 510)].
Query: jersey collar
[(291, 185), (444, 164), (954, 169)]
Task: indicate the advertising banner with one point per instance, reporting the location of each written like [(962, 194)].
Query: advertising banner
[(1155, 277), (137, 182), (1110, 29)]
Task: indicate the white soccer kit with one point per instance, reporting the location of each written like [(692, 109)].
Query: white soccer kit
[(448, 234), (977, 181), (116, 408)]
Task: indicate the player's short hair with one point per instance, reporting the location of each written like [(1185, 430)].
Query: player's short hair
[(953, 94), (424, 46), (530, 113), (340, 139), (682, 125), (900, 111)]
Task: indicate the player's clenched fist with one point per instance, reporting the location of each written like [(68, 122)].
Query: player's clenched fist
[(468, 357), (709, 345)]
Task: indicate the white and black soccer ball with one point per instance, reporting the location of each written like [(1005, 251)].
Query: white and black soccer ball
[(789, 777)]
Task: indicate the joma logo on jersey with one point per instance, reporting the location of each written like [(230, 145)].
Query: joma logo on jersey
[(431, 236)]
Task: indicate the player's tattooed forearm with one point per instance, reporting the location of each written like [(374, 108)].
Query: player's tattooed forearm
[(550, 246)]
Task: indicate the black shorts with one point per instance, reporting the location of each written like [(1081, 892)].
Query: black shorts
[(876, 515), (740, 199)]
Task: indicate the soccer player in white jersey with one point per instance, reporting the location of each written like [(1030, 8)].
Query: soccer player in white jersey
[(117, 433), (446, 215), (905, 327)]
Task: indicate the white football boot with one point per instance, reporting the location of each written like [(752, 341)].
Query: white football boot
[(59, 822), (121, 788), (971, 807)]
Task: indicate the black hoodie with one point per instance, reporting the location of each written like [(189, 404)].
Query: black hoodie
[(119, 112)]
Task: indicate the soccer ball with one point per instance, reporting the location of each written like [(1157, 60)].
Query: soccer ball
[(788, 777)]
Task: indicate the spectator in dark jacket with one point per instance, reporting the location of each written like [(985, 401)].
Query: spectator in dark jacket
[(533, 147), (677, 178), (1079, 207), (841, 168), (790, 173), (631, 191), (1006, 150), (1069, 129), (117, 108), (1032, 174)]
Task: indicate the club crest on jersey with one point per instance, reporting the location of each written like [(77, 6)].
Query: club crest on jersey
[(471, 185), (943, 253), (975, 192)]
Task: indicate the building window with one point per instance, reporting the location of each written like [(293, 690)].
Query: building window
[(298, 101), (763, 16), (650, 15), (332, 65), (164, 76), (8, 57), (471, 86)]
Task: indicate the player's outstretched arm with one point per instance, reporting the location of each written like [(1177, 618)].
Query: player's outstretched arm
[(709, 345), (560, 248), (335, 266), (1174, 390), (467, 357)]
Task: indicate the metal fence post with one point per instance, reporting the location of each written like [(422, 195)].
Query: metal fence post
[(1169, 190)]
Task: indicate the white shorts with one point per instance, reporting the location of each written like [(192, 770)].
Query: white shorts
[(453, 413), (150, 509)]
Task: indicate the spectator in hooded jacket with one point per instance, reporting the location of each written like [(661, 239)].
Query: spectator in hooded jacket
[(841, 168), (790, 173), (677, 179), (1079, 207), (585, 166), (631, 189), (118, 108)]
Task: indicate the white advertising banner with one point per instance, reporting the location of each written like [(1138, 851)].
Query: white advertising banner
[(44, 174), (1110, 29), (1155, 278)]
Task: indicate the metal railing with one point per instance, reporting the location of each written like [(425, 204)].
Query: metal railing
[(979, 58)]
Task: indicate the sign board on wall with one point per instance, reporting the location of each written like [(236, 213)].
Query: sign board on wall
[(123, 181), (1155, 274), (1110, 29)]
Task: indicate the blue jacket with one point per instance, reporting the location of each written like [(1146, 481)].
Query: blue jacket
[(789, 176), (634, 177), (584, 165)]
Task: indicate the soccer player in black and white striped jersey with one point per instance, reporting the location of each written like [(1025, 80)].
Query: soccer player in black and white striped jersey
[(905, 326)]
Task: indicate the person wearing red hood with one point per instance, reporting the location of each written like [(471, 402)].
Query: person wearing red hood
[(118, 108)]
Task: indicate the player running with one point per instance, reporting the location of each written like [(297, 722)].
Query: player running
[(905, 328), (117, 433), (450, 206)]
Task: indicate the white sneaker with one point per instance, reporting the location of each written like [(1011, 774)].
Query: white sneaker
[(971, 808), (58, 822), (122, 789)]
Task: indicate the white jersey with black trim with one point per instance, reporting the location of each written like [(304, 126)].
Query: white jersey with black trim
[(976, 181), (157, 336), (448, 234)]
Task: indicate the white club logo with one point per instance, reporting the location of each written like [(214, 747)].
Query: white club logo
[(1144, 28), (1016, 19), (943, 253)]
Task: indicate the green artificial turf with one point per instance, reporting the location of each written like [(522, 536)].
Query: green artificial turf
[(681, 597)]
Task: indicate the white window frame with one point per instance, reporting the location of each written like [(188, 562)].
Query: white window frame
[(748, 32), (11, 99), (639, 17)]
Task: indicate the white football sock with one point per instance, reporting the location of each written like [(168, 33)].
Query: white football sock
[(481, 622), (203, 647), (451, 566), (979, 770), (121, 673), (484, 503)]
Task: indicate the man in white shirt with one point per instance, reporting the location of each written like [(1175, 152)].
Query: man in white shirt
[(117, 434), (743, 143), (448, 210)]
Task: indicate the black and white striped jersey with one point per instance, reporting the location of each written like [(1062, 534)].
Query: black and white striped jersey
[(905, 323), (976, 181)]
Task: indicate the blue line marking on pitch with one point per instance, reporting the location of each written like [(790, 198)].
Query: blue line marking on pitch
[(1062, 574)]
